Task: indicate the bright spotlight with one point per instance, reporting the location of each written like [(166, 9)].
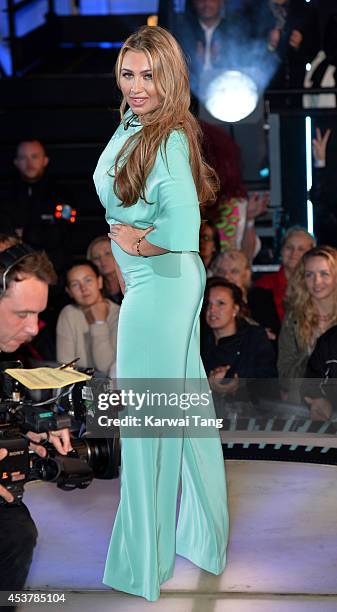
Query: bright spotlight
[(232, 96)]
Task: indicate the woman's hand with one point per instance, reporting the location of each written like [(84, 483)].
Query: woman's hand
[(97, 312), (127, 236), (319, 145), (320, 408), (257, 205), (216, 381)]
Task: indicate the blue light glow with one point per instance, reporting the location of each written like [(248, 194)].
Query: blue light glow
[(264, 172)]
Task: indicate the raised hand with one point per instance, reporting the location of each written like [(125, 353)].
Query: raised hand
[(257, 205), (319, 144)]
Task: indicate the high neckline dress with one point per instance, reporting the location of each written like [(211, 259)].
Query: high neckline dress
[(158, 337)]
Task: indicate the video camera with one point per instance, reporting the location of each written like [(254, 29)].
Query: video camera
[(90, 457)]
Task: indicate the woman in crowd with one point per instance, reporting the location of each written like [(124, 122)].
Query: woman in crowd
[(311, 309), (234, 266), (209, 243), (87, 328), (235, 211), (151, 179), (233, 347), (296, 241), (99, 252)]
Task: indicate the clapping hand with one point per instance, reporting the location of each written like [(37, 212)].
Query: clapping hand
[(320, 408), (217, 383), (257, 205)]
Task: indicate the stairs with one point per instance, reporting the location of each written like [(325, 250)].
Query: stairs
[(69, 100)]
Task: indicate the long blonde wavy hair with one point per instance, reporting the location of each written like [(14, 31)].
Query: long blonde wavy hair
[(299, 302), (135, 160)]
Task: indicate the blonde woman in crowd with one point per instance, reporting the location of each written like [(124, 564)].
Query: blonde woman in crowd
[(295, 242), (311, 309), (234, 266)]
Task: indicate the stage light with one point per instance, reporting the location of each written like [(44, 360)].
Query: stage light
[(232, 96)]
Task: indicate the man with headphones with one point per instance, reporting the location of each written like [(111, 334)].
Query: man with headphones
[(24, 278)]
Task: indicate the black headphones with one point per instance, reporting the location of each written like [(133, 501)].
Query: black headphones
[(9, 258)]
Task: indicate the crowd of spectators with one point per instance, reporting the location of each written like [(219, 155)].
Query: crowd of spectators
[(251, 329)]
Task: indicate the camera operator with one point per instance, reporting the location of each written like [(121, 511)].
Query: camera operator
[(24, 279)]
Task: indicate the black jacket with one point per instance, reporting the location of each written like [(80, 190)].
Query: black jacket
[(30, 207), (321, 373), (262, 309), (249, 352)]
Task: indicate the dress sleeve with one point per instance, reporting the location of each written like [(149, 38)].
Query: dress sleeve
[(178, 221)]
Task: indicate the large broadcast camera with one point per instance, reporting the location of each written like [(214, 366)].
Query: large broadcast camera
[(90, 457)]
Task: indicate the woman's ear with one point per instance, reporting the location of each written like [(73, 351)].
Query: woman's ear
[(100, 282)]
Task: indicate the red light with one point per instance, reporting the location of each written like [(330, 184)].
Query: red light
[(72, 219)]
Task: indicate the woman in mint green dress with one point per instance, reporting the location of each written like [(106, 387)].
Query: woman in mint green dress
[(151, 179)]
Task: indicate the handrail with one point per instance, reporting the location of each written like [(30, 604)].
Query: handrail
[(301, 90)]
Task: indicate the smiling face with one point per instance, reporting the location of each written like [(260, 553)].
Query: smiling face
[(19, 310), (84, 286), (136, 83), (319, 278), (221, 311), (102, 257)]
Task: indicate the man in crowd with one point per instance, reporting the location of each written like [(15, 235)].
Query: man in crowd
[(203, 33), (30, 204), (24, 280)]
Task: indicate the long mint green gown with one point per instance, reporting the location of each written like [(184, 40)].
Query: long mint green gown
[(158, 337)]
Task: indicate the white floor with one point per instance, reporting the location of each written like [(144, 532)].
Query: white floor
[(282, 555)]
